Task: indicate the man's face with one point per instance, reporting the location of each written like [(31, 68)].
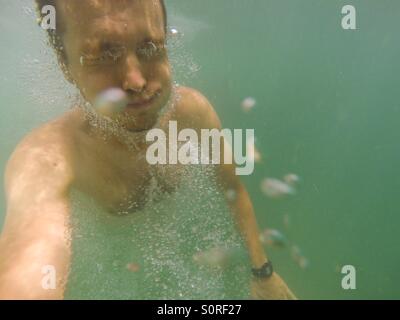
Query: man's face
[(119, 44)]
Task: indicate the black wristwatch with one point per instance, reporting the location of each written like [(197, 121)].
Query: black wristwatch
[(264, 272)]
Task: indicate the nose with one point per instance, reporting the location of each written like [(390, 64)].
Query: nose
[(134, 80)]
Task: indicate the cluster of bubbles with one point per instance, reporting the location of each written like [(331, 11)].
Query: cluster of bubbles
[(221, 257), (218, 256), (105, 115), (168, 248), (39, 74), (271, 187), (274, 238), (275, 188), (182, 63)]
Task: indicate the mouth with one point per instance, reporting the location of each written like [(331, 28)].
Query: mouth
[(142, 104)]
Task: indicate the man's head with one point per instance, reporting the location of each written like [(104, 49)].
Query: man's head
[(106, 43)]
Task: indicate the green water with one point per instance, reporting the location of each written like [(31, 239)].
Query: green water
[(327, 109)]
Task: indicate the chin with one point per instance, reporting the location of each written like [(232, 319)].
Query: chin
[(137, 120), (141, 124)]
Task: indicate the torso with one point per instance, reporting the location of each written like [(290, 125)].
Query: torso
[(161, 237), (117, 178)]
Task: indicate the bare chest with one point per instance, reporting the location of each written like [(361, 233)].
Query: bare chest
[(124, 184)]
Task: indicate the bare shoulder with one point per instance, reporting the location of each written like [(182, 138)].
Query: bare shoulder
[(45, 151), (195, 110)]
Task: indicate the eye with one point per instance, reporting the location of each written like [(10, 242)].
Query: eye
[(110, 56), (150, 50)]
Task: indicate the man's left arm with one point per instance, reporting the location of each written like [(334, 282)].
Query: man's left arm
[(236, 195), (241, 207)]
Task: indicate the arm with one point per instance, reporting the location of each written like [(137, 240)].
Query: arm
[(36, 232), (241, 207)]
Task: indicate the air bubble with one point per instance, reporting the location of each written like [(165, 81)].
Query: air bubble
[(273, 237), (111, 101), (275, 188), (248, 104)]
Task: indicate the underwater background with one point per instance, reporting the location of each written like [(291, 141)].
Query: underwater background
[(327, 109)]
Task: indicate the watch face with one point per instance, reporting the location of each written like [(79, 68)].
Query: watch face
[(264, 272), (268, 270), (160, 149)]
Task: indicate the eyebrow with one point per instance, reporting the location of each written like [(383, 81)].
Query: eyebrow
[(102, 44)]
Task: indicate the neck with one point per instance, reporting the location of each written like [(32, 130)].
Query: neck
[(109, 133)]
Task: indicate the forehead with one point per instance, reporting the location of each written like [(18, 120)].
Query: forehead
[(97, 18)]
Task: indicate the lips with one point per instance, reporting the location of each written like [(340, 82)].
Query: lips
[(138, 104)]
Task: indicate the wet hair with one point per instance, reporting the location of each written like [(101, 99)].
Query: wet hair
[(55, 36)]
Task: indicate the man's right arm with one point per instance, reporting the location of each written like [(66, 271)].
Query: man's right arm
[(36, 233)]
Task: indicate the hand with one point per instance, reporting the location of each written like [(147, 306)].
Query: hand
[(272, 288)]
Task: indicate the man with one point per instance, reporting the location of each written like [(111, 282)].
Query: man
[(104, 44)]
